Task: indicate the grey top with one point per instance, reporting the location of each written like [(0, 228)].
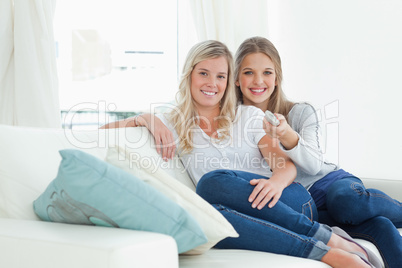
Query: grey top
[(307, 154)]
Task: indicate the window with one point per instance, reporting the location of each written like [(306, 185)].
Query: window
[(118, 56)]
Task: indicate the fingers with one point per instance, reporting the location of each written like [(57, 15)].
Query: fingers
[(165, 146), (270, 129), (277, 131), (280, 117), (255, 192), (262, 199), (274, 200), (263, 194), (164, 140), (168, 148)]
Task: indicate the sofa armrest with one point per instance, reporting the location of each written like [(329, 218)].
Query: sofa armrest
[(390, 187), (47, 245)]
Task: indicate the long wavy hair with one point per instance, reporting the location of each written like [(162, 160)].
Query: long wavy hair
[(278, 103), (185, 117)]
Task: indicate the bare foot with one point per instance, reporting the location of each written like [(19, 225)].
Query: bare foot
[(338, 258), (338, 242)]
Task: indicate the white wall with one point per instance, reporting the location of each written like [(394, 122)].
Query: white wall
[(346, 56)]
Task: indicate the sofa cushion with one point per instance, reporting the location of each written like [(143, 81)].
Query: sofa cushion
[(29, 160), (140, 144), (214, 225), (235, 258), (90, 191), (39, 244)]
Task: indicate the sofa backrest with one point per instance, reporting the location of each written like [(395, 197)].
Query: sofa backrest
[(29, 160)]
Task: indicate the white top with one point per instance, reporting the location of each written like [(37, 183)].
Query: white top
[(238, 152)]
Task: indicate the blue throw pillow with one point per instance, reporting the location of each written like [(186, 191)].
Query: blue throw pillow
[(90, 191)]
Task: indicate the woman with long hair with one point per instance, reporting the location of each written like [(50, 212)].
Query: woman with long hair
[(213, 132), (341, 198)]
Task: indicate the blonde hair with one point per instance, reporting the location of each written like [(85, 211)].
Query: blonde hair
[(185, 117), (278, 103)]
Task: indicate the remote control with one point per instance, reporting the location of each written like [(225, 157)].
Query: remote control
[(271, 118)]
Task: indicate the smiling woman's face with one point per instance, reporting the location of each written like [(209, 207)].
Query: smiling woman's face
[(257, 79), (209, 80)]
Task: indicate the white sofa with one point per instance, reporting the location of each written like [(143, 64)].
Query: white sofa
[(29, 161)]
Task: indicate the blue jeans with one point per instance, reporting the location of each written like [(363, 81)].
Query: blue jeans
[(349, 202), (282, 229), (367, 214)]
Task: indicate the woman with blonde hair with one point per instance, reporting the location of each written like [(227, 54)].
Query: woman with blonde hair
[(186, 116), (213, 132)]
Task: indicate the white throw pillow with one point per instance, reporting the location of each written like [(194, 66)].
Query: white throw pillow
[(140, 144), (214, 225), (29, 160)]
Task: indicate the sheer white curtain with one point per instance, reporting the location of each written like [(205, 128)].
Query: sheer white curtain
[(230, 21), (28, 74)]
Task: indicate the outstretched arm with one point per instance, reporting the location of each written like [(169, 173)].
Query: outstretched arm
[(286, 135), (128, 122), (301, 142), (164, 140)]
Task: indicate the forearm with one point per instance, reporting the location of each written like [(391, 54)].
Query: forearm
[(284, 175), (129, 122), (306, 153), (283, 169), (290, 139), (135, 121)]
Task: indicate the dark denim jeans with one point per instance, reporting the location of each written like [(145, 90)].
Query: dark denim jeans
[(349, 202), (367, 214), (283, 229)]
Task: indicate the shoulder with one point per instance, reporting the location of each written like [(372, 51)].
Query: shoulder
[(302, 110), (302, 113), (248, 116), (302, 107), (249, 110)]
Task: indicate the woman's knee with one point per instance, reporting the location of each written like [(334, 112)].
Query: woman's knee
[(346, 191), (345, 201), (211, 179), (213, 183)]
